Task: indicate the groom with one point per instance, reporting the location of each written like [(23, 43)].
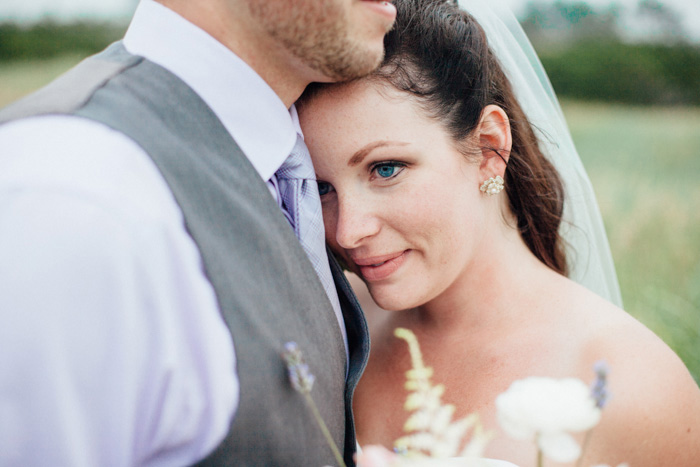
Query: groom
[(149, 277)]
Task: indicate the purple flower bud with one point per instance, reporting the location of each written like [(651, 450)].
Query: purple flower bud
[(599, 388), (400, 451), (300, 376)]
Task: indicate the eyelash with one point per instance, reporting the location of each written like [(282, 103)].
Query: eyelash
[(325, 188), (395, 164)]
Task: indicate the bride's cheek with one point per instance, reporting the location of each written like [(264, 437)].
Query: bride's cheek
[(329, 221)]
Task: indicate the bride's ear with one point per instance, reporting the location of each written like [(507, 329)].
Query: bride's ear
[(494, 139)]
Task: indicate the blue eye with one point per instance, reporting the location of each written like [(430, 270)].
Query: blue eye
[(388, 170), (324, 188)]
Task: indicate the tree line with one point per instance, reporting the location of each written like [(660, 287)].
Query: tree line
[(589, 53), (638, 55), (49, 38)]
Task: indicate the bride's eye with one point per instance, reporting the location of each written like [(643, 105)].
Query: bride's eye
[(387, 170), (324, 188)]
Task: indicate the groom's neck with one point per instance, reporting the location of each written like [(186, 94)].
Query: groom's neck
[(241, 34)]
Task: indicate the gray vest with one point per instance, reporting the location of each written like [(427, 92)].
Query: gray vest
[(267, 290)]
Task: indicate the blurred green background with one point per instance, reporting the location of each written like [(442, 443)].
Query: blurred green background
[(633, 106)]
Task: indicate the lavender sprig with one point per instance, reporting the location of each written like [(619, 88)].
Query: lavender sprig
[(299, 375), (302, 381), (599, 393), (599, 388)]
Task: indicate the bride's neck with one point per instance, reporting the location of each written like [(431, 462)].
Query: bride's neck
[(499, 287)]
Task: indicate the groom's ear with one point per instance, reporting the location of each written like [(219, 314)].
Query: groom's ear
[(495, 140)]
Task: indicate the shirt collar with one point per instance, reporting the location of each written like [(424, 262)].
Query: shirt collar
[(249, 109)]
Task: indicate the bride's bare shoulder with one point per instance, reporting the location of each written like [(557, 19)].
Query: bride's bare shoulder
[(653, 415)]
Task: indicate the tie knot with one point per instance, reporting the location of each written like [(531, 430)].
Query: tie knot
[(298, 165)]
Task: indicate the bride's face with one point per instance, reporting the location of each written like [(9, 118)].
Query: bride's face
[(401, 204)]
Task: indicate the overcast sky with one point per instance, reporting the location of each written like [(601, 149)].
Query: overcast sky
[(116, 9)]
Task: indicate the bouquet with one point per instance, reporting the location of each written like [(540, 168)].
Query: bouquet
[(544, 410)]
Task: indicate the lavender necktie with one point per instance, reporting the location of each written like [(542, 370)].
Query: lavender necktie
[(302, 207)]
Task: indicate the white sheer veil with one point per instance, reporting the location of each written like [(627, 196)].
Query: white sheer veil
[(588, 254)]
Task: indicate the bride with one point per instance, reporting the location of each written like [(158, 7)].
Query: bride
[(450, 185)]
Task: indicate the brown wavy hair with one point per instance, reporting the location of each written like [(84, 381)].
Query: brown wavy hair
[(439, 54)]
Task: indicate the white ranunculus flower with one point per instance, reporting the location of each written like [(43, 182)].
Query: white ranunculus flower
[(546, 409)]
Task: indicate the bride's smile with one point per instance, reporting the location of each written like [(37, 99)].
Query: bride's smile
[(401, 203), (377, 268)]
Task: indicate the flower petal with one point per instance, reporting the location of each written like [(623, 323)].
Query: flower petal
[(560, 447)]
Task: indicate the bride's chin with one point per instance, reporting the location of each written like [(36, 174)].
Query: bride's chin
[(389, 301)]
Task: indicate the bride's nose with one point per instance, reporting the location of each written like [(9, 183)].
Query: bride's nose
[(355, 222)]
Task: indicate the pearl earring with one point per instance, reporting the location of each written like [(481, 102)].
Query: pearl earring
[(493, 185)]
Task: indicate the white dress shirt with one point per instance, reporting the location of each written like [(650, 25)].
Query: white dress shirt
[(113, 351)]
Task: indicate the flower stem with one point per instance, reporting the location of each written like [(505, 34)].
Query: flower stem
[(584, 445), (540, 457), (324, 430)]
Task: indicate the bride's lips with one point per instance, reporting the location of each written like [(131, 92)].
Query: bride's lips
[(386, 9), (377, 268)]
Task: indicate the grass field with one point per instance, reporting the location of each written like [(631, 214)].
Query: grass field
[(644, 164), (20, 78)]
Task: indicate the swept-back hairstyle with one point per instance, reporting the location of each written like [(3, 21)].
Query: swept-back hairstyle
[(439, 54)]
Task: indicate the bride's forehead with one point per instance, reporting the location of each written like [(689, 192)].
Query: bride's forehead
[(341, 119), (366, 98)]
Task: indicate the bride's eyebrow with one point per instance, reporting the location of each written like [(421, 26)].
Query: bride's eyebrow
[(360, 155)]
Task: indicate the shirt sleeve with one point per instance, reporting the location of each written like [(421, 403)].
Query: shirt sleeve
[(112, 348)]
